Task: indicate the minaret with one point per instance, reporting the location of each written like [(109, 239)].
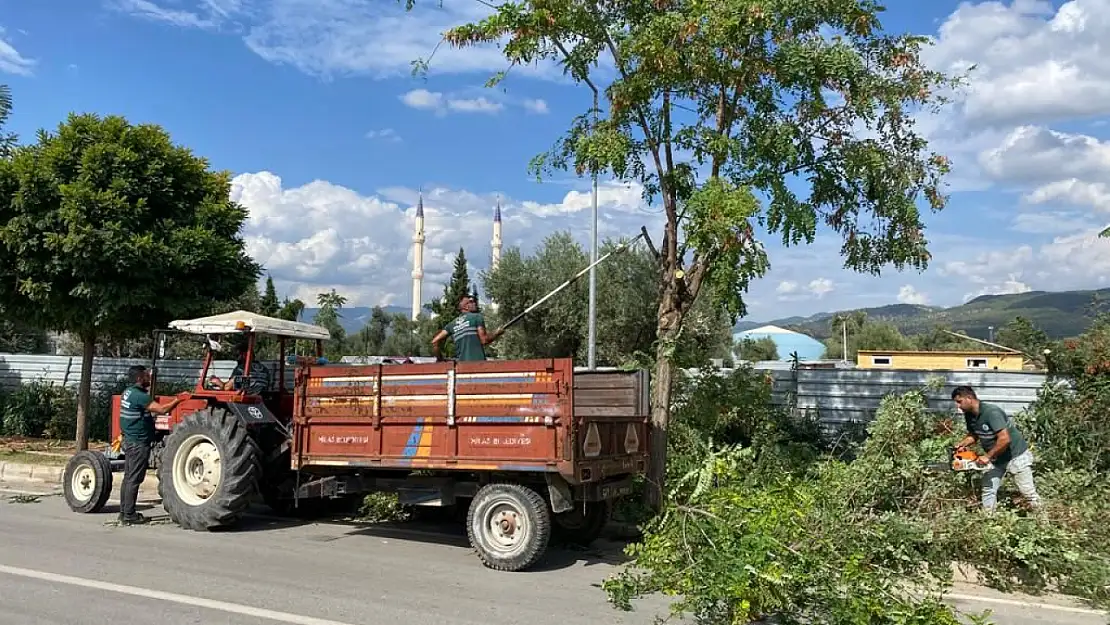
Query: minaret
[(496, 242), (418, 258)]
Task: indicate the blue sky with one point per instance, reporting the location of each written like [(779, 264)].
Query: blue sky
[(311, 104)]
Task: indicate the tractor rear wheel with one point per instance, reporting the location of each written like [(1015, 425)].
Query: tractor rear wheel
[(209, 471), (87, 481), (509, 525)]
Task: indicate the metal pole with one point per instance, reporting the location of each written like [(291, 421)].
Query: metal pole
[(844, 352), (591, 340)]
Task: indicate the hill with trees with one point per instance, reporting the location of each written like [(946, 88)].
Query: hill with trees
[(1061, 314)]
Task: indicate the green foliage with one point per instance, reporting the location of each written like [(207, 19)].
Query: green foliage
[(755, 350), (38, 409), (937, 339), (770, 521), (7, 139), (627, 307), (383, 507), (1071, 423), (19, 338), (270, 305), (100, 183), (1022, 335), (327, 316), (866, 334)]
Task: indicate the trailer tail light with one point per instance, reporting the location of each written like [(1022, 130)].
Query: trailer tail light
[(631, 439), (592, 445)]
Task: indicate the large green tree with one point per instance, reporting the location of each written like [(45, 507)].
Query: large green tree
[(790, 114), (270, 305), (110, 229), (796, 116), (327, 316), (7, 139)]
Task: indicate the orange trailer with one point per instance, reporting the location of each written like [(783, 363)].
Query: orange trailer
[(531, 448)]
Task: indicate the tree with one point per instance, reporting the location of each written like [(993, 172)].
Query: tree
[(7, 139), (291, 310), (871, 335), (1022, 335), (270, 306), (839, 324), (110, 229), (755, 350), (938, 339), (327, 316), (19, 338), (625, 314), (759, 94), (370, 340)]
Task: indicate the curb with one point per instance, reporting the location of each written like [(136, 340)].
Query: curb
[(50, 474), (31, 472)]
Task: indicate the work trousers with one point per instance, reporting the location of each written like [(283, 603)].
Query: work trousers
[(1021, 467), (136, 459)]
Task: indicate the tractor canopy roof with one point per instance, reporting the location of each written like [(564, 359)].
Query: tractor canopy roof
[(242, 321)]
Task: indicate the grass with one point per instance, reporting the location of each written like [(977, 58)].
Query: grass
[(22, 457)]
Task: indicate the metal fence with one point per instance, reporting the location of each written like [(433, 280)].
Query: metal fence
[(17, 369), (838, 396)]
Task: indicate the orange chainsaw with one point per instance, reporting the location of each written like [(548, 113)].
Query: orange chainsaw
[(966, 460)]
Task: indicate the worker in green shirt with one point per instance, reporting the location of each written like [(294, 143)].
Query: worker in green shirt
[(468, 331), (1003, 445), (136, 422)]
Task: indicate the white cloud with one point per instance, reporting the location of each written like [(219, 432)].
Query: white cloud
[(907, 294), (11, 61), (536, 106), (820, 287), (1034, 63), (423, 99), (787, 287), (384, 134), (474, 105), (205, 17), (363, 248)]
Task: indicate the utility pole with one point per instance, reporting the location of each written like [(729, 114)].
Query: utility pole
[(591, 341), (844, 351)]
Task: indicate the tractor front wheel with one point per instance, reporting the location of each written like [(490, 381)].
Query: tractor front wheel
[(209, 470), (87, 481)]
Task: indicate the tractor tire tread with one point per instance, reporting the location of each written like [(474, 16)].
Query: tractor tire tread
[(240, 471), (533, 504)]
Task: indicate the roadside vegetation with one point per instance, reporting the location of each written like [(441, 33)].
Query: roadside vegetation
[(769, 518)]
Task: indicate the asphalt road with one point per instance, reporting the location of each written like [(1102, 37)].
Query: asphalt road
[(58, 567)]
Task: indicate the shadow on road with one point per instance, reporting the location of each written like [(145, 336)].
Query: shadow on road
[(436, 528)]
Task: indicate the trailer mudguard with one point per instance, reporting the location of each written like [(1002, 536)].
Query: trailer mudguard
[(252, 415)]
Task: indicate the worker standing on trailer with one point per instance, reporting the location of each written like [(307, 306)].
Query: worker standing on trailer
[(467, 331), (1003, 445), (136, 423)]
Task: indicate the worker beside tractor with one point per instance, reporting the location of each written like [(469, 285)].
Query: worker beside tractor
[(136, 423)]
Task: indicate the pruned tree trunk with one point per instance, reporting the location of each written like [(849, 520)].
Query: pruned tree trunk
[(84, 390), (670, 319)]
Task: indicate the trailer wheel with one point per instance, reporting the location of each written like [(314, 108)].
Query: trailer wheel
[(580, 527), (209, 471), (509, 525), (87, 481)]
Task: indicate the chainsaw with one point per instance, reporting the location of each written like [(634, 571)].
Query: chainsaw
[(966, 460)]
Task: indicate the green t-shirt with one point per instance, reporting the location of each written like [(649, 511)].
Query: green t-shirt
[(464, 332), (988, 423), (135, 421)]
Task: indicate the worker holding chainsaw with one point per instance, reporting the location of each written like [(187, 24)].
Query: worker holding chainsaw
[(468, 331), (1005, 450)]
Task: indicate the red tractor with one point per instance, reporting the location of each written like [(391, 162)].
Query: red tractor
[(529, 447), (214, 440)]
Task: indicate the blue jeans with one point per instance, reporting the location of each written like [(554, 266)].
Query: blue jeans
[(1021, 467)]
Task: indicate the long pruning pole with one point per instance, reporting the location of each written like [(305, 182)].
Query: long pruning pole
[(564, 285)]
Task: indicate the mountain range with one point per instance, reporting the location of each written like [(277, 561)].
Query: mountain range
[(1061, 314)]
